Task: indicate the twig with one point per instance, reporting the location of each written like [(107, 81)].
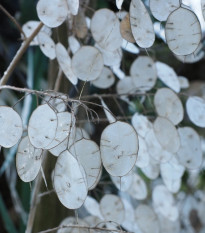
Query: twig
[(104, 119), (58, 80), (13, 20), (19, 54), (84, 227)]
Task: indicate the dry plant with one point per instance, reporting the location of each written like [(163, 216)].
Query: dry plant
[(144, 155)]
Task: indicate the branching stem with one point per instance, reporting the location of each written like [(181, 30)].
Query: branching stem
[(13, 20), (19, 54), (84, 227)]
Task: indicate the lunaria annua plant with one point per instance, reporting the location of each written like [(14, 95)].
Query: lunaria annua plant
[(140, 160)]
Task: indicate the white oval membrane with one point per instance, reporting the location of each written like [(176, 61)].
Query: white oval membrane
[(87, 63), (105, 28), (141, 24), (183, 37), (195, 107), (73, 6), (168, 105), (93, 207), (47, 45), (52, 14), (64, 62), (42, 126), (119, 148), (141, 124), (112, 208), (168, 76), (190, 152), (143, 72), (163, 203), (87, 152), (105, 80), (28, 160), (166, 134), (147, 219), (11, 127), (138, 188), (69, 181), (123, 183), (161, 9), (66, 121)]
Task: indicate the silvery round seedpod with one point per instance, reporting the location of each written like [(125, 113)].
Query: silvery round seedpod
[(155, 149), (147, 219), (129, 222), (87, 152), (105, 80), (129, 47), (110, 58), (141, 124), (125, 86), (151, 171), (123, 183), (163, 203), (93, 207), (47, 45), (143, 73), (70, 181), (183, 37), (195, 107), (105, 28), (143, 154), (52, 14), (75, 134), (112, 208), (168, 76), (189, 153), (138, 188), (28, 160), (172, 185), (108, 113), (66, 121), (11, 127), (168, 105), (141, 24), (166, 134), (42, 126), (73, 221), (64, 62), (119, 147), (73, 6), (118, 72), (74, 44), (172, 170), (125, 29), (184, 82), (30, 26), (87, 63), (169, 226), (196, 56), (161, 9)]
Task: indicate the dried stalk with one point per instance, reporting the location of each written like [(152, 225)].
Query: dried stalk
[(84, 227), (18, 55)]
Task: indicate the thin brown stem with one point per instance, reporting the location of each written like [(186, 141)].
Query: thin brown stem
[(84, 227), (19, 54), (58, 80), (13, 20)]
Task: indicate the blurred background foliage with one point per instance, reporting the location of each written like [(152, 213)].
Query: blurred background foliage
[(35, 71)]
